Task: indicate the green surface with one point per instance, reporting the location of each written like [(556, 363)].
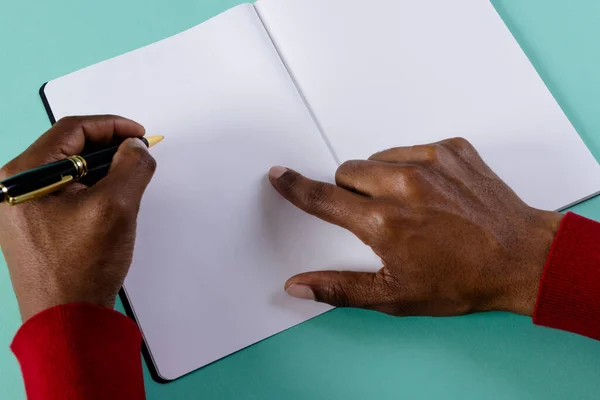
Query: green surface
[(344, 354)]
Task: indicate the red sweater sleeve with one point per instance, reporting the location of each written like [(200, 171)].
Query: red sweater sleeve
[(569, 293), (80, 351)]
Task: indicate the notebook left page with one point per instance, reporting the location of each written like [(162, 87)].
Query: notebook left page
[(215, 242)]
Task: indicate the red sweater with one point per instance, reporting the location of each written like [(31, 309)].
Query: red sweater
[(81, 351)]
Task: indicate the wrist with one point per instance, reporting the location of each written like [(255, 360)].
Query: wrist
[(536, 246), (30, 306)]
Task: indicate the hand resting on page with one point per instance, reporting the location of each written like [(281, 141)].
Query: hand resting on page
[(452, 237)]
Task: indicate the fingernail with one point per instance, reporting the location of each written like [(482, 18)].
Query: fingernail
[(300, 292), (276, 172)]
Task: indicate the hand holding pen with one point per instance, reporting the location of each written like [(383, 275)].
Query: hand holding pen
[(88, 168), (76, 244)]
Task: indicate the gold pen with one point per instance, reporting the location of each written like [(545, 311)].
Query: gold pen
[(86, 168)]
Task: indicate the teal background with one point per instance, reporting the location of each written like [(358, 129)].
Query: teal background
[(345, 354)]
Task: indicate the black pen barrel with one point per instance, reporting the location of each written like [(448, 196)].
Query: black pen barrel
[(90, 167), (29, 181)]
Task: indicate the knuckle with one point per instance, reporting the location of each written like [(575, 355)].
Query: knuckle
[(377, 220), (385, 222), (69, 121), (386, 281), (458, 144), (431, 152), (144, 159), (92, 125), (375, 155), (317, 195), (351, 172), (335, 294), (410, 173), (410, 178), (348, 167), (413, 192)]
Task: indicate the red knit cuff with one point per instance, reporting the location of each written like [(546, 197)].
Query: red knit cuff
[(80, 351), (569, 293)]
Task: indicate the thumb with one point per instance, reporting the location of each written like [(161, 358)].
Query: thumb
[(339, 288), (130, 172)]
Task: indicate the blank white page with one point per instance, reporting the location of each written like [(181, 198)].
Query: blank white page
[(215, 242), (386, 73)]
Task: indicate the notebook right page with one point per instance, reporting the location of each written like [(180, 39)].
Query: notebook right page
[(389, 73)]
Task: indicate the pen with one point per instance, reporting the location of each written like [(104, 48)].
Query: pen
[(87, 168)]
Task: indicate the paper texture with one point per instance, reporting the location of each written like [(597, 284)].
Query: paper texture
[(389, 73)]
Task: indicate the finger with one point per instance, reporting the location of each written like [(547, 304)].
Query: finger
[(377, 179), (130, 173), (414, 154), (340, 288), (68, 137), (325, 201)]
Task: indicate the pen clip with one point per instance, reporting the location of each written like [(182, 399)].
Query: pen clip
[(39, 192)]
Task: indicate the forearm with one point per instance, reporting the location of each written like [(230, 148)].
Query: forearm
[(80, 351)]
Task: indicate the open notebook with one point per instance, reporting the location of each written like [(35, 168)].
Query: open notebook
[(305, 84)]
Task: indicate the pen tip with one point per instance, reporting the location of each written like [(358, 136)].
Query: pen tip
[(153, 140)]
